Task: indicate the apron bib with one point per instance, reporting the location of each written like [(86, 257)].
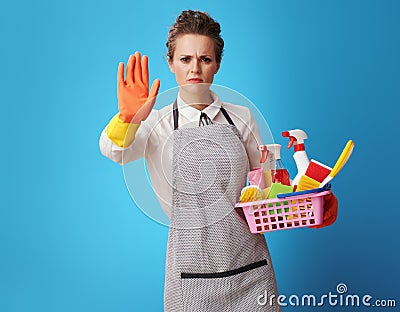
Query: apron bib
[(213, 261)]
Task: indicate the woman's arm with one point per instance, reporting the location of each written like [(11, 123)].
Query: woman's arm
[(121, 133), (252, 139), (135, 104)]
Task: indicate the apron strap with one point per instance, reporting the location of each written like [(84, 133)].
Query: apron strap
[(176, 115), (227, 117)]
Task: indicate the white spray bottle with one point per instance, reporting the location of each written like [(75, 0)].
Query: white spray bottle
[(297, 138)]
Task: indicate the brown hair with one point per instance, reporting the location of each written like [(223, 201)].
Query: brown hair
[(195, 22)]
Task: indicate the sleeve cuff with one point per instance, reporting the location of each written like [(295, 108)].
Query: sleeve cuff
[(121, 133)]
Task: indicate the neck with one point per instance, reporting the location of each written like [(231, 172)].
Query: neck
[(199, 100)]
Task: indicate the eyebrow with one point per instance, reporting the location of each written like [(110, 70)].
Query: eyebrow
[(188, 55)]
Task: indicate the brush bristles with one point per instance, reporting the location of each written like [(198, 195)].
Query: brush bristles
[(251, 193), (307, 183)]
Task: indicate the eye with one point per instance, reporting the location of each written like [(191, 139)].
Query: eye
[(205, 59), (184, 59)]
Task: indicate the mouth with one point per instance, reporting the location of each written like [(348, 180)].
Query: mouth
[(195, 80)]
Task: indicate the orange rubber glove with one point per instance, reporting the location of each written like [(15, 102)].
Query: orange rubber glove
[(135, 102), (330, 211)]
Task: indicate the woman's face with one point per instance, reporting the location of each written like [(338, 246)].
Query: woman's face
[(194, 60)]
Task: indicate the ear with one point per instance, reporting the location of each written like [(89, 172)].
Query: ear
[(217, 69), (171, 67)]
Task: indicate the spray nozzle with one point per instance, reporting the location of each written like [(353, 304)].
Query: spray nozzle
[(296, 137), (292, 139), (264, 153)]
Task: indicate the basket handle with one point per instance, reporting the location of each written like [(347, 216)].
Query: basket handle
[(316, 190)]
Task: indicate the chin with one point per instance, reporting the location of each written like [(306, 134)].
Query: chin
[(195, 88)]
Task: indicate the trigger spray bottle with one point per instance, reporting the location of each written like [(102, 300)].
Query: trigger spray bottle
[(279, 172), (297, 138)]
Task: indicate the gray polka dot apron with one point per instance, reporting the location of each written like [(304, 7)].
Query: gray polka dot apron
[(213, 261)]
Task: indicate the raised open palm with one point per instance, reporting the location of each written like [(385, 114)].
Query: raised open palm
[(135, 102)]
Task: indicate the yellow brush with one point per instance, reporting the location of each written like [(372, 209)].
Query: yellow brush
[(343, 158), (307, 183), (251, 193)]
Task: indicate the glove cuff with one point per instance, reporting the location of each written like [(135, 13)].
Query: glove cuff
[(121, 133)]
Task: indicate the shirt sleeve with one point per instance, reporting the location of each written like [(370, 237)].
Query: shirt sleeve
[(252, 138), (123, 142)]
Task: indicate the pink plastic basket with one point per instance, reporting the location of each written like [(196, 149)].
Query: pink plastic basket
[(284, 213)]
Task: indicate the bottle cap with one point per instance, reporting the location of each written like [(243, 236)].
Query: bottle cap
[(275, 149)]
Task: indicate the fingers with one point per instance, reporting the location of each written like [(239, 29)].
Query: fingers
[(130, 68), (154, 88), (137, 71), (120, 75), (145, 71), (329, 219), (330, 211), (145, 110), (331, 206)]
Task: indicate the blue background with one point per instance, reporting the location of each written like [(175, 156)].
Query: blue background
[(71, 237)]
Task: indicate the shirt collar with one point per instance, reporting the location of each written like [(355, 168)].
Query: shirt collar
[(193, 114)]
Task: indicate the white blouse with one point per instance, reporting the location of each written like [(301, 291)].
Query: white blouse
[(153, 141)]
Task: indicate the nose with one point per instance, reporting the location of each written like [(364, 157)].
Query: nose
[(195, 67)]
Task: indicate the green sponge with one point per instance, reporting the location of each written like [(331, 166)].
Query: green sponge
[(278, 188)]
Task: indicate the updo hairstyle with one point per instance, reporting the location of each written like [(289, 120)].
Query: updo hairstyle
[(195, 22)]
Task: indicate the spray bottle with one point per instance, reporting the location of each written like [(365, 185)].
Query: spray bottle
[(297, 138), (279, 172)]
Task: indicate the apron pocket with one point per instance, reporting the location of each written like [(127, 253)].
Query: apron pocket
[(234, 290)]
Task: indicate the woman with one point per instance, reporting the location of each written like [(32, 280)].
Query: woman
[(204, 148)]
